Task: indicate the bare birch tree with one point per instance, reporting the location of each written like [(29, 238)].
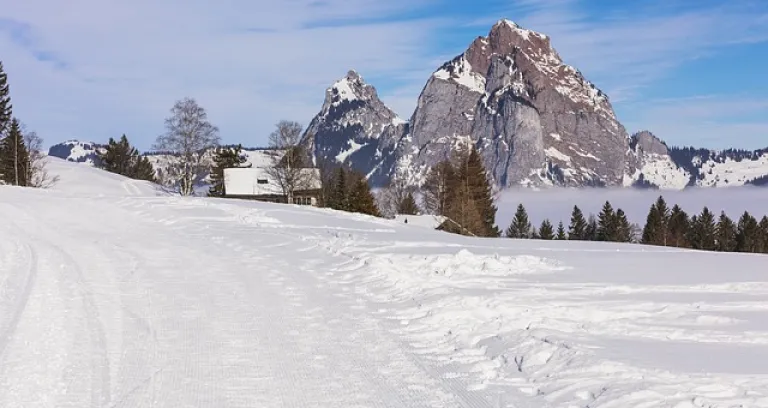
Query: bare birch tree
[(289, 167), (37, 174), (189, 136)]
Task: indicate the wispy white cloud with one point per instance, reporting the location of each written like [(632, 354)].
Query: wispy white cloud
[(118, 67)]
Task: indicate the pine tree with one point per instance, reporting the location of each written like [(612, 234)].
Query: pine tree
[(520, 226), (408, 205), (748, 234), (702, 231), (763, 227), (224, 158), (361, 199), (656, 227), (121, 158), (14, 157), (472, 172), (437, 191), (577, 228), (143, 170), (546, 231), (623, 227), (590, 232), (725, 234), (561, 232), (339, 199), (6, 109), (462, 210), (678, 227), (606, 224)]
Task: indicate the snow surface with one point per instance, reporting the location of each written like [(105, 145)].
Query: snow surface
[(145, 300), (463, 75), (345, 90), (662, 172)]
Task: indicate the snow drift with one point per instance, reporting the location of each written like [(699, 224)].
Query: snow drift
[(111, 297)]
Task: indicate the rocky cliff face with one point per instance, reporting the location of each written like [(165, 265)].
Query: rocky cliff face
[(354, 128), (536, 120)]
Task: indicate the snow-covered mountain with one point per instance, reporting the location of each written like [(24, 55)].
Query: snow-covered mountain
[(536, 120), (77, 151), (355, 128)]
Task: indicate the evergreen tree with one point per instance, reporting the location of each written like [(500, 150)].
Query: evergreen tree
[(561, 232), (361, 199), (578, 227), (678, 227), (14, 157), (546, 231), (606, 224), (6, 109), (656, 227), (339, 199), (763, 226), (437, 187), (590, 232), (725, 234), (520, 226), (702, 231), (121, 158), (472, 173), (143, 170), (224, 158), (748, 234), (623, 227), (408, 205), (463, 212)]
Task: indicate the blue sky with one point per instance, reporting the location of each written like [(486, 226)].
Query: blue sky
[(691, 71)]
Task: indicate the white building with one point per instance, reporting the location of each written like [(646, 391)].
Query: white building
[(257, 184)]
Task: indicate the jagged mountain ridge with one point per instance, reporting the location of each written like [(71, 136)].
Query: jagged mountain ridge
[(536, 120)]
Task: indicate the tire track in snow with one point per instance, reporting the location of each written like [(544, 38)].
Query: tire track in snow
[(21, 301)]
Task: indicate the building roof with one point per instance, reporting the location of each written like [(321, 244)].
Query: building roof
[(258, 181)]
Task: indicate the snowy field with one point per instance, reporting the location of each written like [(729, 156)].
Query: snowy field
[(557, 203), (114, 296)]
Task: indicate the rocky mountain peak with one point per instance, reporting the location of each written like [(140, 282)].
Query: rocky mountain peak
[(647, 143)]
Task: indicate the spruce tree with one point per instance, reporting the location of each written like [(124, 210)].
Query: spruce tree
[(623, 227), (14, 156), (590, 232), (472, 172), (561, 232), (520, 226), (656, 227), (407, 206), (577, 228), (725, 234), (121, 158), (6, 109), (546, 231), (606, 224), (437, 187), (748, 234), (678, 227), (702, 231), (224, 158), (463, 212), (339, 196), (763, 227), (361, 199)]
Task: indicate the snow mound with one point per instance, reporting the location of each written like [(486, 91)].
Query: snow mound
[(84, 180)]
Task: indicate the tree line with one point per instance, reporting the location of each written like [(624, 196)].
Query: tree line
[(664, 226), (22, 161)]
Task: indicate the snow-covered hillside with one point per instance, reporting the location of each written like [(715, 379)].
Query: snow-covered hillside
[(129, 299)]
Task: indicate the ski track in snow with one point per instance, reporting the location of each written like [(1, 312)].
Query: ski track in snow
[(138, 301)]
